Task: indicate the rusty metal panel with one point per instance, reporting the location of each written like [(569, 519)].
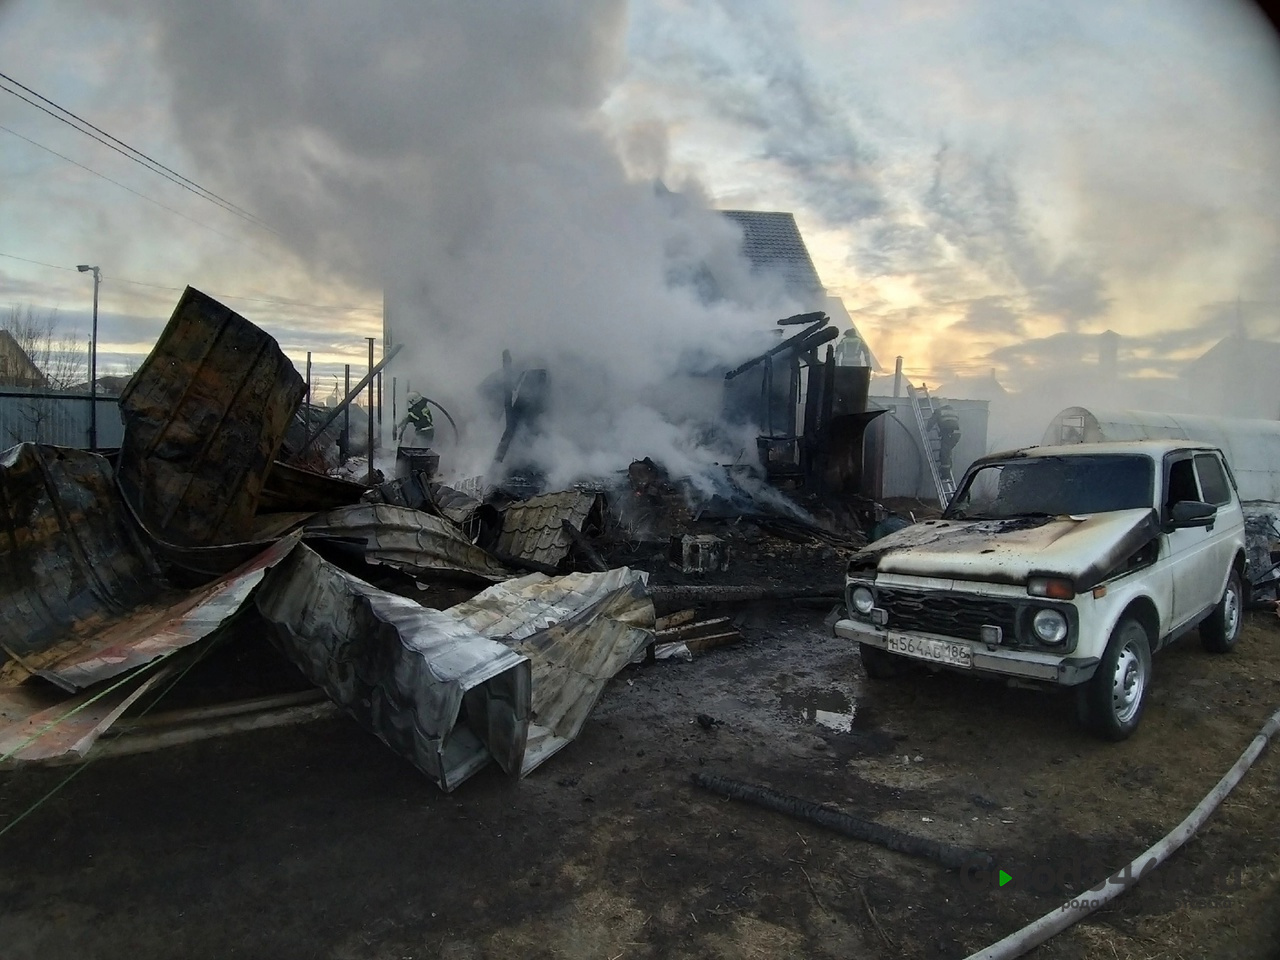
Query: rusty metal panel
[(577, 631), (69, 557), (432, 689), (72, 726), (533, 529), (99, 648), (290, 488), (204, 418), (412, 541)]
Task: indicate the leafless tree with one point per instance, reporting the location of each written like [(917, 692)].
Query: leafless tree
[(59, 361)]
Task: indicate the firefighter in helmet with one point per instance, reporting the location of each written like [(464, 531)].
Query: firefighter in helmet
[(417, 415), (946, 422)]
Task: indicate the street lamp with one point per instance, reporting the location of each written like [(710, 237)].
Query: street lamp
[(93, 359)]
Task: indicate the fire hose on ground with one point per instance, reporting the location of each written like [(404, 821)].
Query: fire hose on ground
[(1079, 907)]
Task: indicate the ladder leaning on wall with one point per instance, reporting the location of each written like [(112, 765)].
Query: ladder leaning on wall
[(943, 482)]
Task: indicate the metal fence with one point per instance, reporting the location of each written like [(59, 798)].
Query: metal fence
[(61, 419)]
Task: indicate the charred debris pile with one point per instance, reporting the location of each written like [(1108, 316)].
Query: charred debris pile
[(462, 625)]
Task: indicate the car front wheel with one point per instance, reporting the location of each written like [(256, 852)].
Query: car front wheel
[(1221, 629), (1111, 703)]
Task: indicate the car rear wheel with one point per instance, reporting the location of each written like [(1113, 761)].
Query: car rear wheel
[(880, 664), (1111, 703), (1221, 629)]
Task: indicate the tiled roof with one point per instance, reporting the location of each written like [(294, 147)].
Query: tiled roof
[(772, 242), (533, 529)]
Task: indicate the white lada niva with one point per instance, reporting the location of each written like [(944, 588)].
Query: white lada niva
[(1061, 566)]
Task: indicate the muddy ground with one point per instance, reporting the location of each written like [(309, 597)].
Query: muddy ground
[(316, 841)]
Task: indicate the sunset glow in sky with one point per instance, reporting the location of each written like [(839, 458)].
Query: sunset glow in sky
[(971, 176)]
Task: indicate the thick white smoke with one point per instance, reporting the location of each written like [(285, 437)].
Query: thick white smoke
[(455, 155)]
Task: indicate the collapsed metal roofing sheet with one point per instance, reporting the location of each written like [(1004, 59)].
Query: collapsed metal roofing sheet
[(520, 608), (290, 488), (533, 529), (454, 504), (70, 726), (204, 417), (69, 557), (100, 648), (410, 540), (578, 631), (431, 688)]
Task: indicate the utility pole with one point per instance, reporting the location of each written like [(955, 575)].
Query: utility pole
[(371, 389), (93, 358)]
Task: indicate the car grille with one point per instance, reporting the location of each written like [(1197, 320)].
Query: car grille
[(948, 614)]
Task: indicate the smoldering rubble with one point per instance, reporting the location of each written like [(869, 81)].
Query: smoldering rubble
[(461, 627)]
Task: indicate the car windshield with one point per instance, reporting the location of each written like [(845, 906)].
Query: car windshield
[(1054, 486)]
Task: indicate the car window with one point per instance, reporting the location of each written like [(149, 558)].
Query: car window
[(1182, 483), (1213, 481), (1054, 486)]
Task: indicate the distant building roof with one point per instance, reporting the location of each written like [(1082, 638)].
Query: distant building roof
[(772, 242), (1236, 377), (1240, 353), (971, 388), (16, 367)]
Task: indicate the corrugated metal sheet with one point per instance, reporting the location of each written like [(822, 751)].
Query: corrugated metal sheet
[(533, 529), (578, 631), (71, 727), (70, 559), (1252, 447), (204, 417), (99, 648), (454, 504), (290, 488), (410, 540), (431, 688), (417, 491)]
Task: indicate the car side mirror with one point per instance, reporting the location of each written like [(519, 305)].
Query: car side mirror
[(1192, 513)]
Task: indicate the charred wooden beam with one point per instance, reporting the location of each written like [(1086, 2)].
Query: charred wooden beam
[(799, 318), (594, 560), (788, 344)]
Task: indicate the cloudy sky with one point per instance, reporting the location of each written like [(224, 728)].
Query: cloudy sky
[(975, 178)]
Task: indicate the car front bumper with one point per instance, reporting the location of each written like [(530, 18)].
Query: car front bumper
[(1015, 664)]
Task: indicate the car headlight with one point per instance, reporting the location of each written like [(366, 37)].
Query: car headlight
[(1050, 626), (862, 600)]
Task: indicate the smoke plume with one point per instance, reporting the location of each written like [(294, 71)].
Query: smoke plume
[(456, 156)]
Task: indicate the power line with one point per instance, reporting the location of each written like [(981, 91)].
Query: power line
[(122, 186), (130, 152)]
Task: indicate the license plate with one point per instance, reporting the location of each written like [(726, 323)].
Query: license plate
[(939, 651)]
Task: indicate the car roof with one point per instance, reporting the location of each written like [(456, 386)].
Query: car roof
[(1155, 449)]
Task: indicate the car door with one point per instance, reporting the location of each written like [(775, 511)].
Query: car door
[(1187, 547), (1216, 489)]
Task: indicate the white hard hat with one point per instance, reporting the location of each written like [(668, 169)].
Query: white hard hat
[(414, 395)]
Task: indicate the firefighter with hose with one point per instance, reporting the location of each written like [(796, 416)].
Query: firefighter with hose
[(418, 416)]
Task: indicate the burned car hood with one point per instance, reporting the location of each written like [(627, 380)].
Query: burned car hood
[(1086, 549)]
